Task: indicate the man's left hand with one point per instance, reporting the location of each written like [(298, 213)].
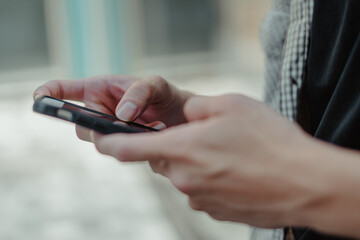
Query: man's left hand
[(236, 159)]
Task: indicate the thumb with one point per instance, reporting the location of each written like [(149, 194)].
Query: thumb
[(199, 108), (140, 95)]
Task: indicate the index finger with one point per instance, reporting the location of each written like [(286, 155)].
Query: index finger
[(130, 147), (62, 89), (167, 144)]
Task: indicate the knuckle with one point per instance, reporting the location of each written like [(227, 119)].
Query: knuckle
[(55, 86), (108, 79), (158, 82), (141, 90), (185, 185), (141, 84), (158, 166), (53, 83), (155, 79), (122, 153), (97, 146), (196, 205), (154, 166)]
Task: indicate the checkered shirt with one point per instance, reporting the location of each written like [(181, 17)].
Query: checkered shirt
[(285, 36), (295, 56)]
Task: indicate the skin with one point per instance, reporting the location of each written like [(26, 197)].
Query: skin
[(154, 97), (234, 157)]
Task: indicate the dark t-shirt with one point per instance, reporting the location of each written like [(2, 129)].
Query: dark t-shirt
[(329, 106)]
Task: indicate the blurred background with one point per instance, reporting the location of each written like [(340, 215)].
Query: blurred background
[(53, 186)]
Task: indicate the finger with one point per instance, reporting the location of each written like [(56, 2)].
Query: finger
[(63, 89), (84, 133), (157, 125), (159, 166), (142, 146), (127, 147), (140, 95)]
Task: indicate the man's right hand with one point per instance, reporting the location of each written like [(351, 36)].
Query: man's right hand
[(145, 100), (151, 101)]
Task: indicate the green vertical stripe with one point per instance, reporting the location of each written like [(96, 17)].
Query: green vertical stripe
[(117, 25), (79, 18), (77, 12)]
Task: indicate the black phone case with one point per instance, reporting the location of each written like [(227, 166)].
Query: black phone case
[(98, 124)]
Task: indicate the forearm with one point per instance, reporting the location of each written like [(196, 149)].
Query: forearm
[(334, 207)]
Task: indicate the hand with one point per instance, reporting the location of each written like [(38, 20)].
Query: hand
[(151, 101), (146, 100), (234, 159)]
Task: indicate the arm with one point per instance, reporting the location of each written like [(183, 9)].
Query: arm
[(239, 161), (336, 208)]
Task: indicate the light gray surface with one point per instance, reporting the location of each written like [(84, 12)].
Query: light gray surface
[(54, 186)]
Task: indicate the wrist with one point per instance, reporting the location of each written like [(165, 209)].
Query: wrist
[(333, 198)]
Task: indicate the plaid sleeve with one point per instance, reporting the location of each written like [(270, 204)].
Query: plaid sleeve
[(294, 56)]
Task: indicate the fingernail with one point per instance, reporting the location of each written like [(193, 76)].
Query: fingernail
[(36, 96), (160, 126), (127, 111)]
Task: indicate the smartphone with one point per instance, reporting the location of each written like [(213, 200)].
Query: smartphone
[(86, 117)]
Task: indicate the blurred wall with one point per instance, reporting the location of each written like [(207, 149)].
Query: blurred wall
[(67, 39), (56, 187)]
